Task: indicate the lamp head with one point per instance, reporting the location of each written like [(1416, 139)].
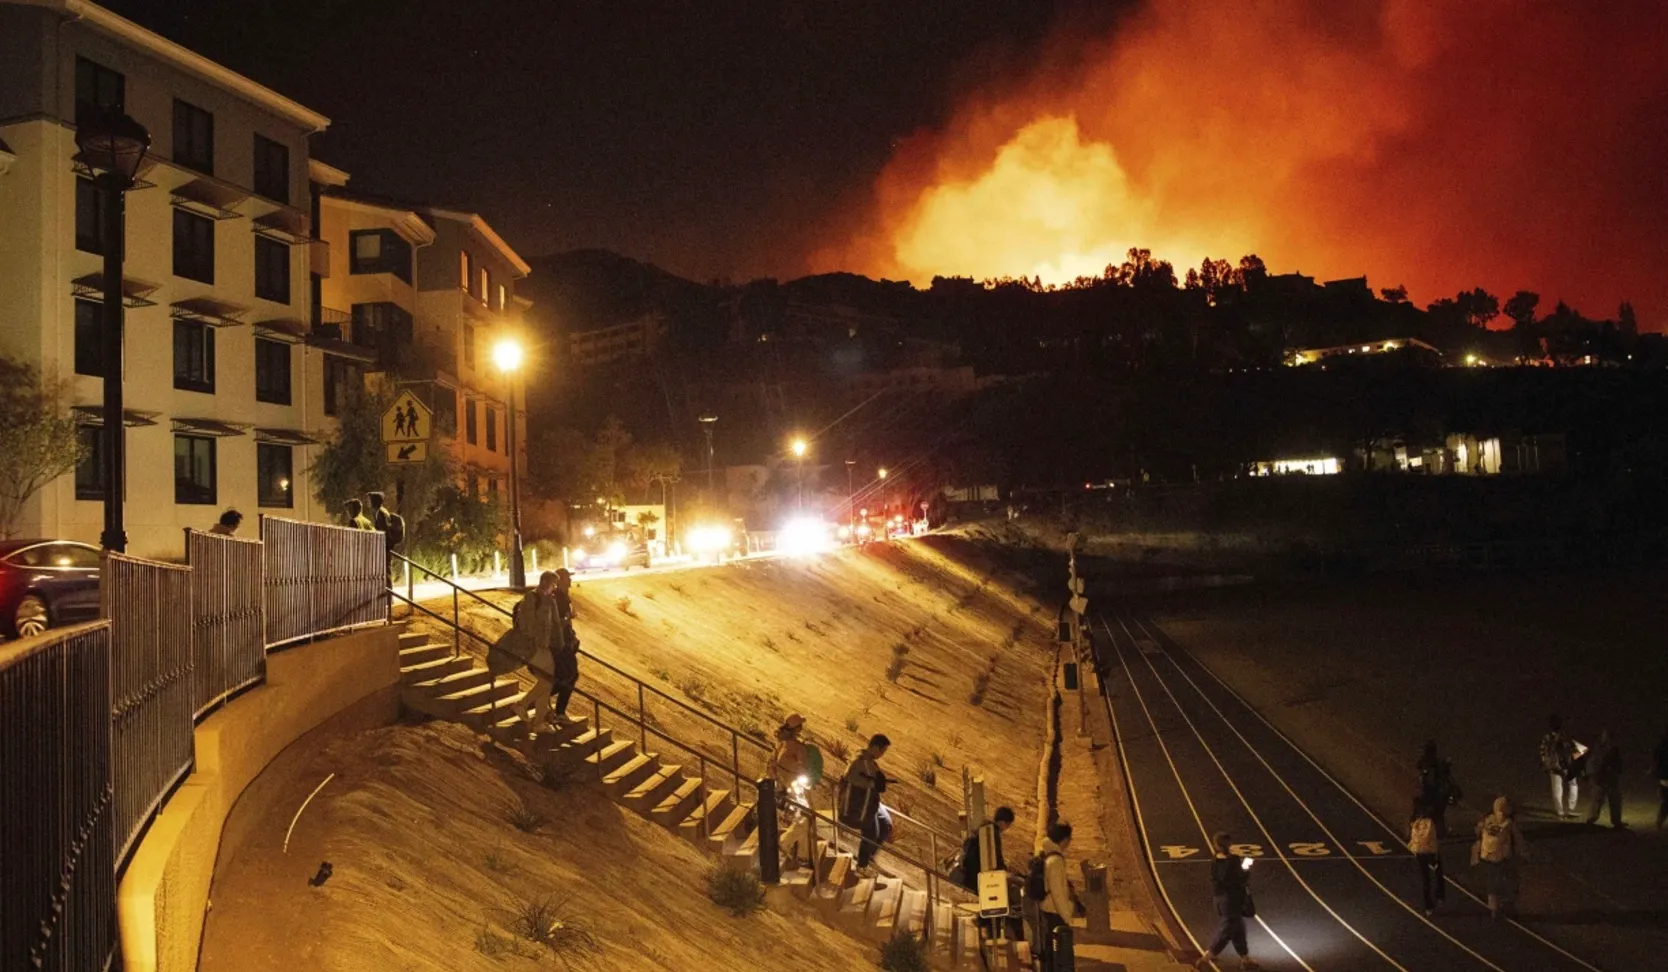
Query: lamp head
[(507, 354), (111, 141)]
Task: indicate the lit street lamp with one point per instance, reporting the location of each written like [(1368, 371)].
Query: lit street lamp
[(507, 355), (114, 146), (799, 448), (883, 504)]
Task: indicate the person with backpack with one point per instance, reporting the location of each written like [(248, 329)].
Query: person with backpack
[(790, 763), (1498, 849), (1427, 853), (1230, 884), (1049, 890), (860, 800), (971, 865), (1557, 754), (1604, 774), (392, 526), (1436, 786), (535, 642), (353, 516)]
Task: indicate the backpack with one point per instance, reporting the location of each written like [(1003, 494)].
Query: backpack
[(813, 764), (1036, 877), (396, 530)]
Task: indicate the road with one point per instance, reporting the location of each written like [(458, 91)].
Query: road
[(1335, 886)]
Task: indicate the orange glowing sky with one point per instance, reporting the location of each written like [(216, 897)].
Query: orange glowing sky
[(1440, 144)]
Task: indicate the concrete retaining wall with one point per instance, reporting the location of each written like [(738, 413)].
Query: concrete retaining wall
[(163, 896)]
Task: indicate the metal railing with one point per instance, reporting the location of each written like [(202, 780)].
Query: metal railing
[(321, 579), (148, 605), (228, 616), (57, 870)]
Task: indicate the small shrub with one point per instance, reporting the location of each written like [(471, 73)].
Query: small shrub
[(894, 669), (851, 722), (676, 588), (624, 606), (955, 740), (838, 749), (811, 627), (694, 688), (750, 728), (736, 889), (928, 773), (770, 644), (793, 637), (899, 649), (548, 922), (981, 685), (649, 595), (524, 818), (663, 674), (938, 758), (904, 952), (496, 864)]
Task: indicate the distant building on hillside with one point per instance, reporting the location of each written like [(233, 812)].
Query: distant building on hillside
[(622, 342), (1413, 348)]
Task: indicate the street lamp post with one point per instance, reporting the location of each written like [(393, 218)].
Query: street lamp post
[(851, 497), (507, 355), (707, 421), (799, 448), (885, 507), (114, 146)]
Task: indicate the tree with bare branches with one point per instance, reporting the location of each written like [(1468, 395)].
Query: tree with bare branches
[(38, 438)]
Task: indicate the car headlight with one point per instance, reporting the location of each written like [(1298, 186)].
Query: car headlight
[(616, 551)]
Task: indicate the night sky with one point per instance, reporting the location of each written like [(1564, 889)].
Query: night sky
[(712, 138)]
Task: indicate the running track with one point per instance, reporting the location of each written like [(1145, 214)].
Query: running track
[(1335, 887)]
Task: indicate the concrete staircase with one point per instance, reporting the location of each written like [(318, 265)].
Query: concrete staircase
[(718, 821)]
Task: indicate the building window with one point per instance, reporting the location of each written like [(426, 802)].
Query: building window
[(383, 327), (193, 246), (272, 169), (463, 269), (89, 217), (272, 270), (469, 345), (272, 371), (193, 137), (503, 297), (469, 432), (492, 487), (492, 429), (468, 269), (474, 486), (89, 338), (98, 87), (89, 472), (341, 382), (273, 466), (194, 479), (379, 251), (193, 357), (485, 294)]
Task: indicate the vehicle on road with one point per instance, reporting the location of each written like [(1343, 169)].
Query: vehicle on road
[(614, 549), (44, 583)]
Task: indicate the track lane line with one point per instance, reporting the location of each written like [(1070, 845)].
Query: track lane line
[(1173, 645), (1194, 810), (1267, 835)]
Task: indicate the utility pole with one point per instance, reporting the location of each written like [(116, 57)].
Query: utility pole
[(707, 422)]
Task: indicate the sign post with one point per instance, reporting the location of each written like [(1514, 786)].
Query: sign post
[(406, 427)]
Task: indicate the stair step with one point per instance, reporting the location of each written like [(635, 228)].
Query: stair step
[(713, 806), (943, 928), (578, 750), (674, 808), (854, 901), (912, 912), (409, 639), (480, 716), (840, 872), (418, 673), (883, 905), (629, 774), (731, 829), (612, 755), (459, 674), (462, 700), (424, 652)]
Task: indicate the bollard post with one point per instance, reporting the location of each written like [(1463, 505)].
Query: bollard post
[(533, 555), (454, 567), (770, 838), (497, 565)]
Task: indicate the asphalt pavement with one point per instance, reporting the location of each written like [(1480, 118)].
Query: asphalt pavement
[(1335, 887)]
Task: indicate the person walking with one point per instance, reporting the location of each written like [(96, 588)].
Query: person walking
[(1604, 775), (528, 644), (354, 516), (564, 646), (1427, 853), (1498, 849), (790, 761), (971, 863), (860, 803), (1557, 753), (1230, 883), (392, 526), (1659, 769), (228, 524), (1059, 904), (1436, 786)]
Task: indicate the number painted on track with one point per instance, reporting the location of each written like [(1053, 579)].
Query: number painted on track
[(1304, 848), (1374, 847), (1176, 852), (1246, 850)]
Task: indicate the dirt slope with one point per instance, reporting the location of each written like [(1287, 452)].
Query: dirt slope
[(749, 643), (428, 872)]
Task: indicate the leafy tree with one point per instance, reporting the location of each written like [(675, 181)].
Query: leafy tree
[(1520, 307), (456, 522), (1394, 295), (1142, 272), (38, 438), (1251, 270), (1478, 306), (651, 463), (610, 448), (355, 462), (1626, 320)]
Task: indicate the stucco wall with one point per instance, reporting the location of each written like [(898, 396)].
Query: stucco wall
[(163, 895)]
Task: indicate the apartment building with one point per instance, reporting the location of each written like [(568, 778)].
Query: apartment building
[(217, 373)]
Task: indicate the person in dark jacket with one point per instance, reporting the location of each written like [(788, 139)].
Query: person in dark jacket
[(228, 524), (1659, 769), (860, 801), (971, 866), (1436, 786), (1604, 776), (1230, 882)]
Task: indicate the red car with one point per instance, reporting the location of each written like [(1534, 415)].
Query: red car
[(45, 583)]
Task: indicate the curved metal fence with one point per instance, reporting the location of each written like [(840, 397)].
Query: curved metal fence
[(148, 604), (228, 616), (57, 871), (321, 578)]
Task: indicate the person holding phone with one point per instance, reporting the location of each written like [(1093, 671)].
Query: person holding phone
[(1230, 881)]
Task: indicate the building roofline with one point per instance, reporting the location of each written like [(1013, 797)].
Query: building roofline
[(326, 174), (406, 221), (185, 59), (487, 233)]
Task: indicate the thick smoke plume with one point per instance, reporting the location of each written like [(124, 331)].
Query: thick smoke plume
[(1440, 144)]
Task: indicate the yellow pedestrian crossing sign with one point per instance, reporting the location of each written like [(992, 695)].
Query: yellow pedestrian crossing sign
[(400, 452), (407, 420)]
